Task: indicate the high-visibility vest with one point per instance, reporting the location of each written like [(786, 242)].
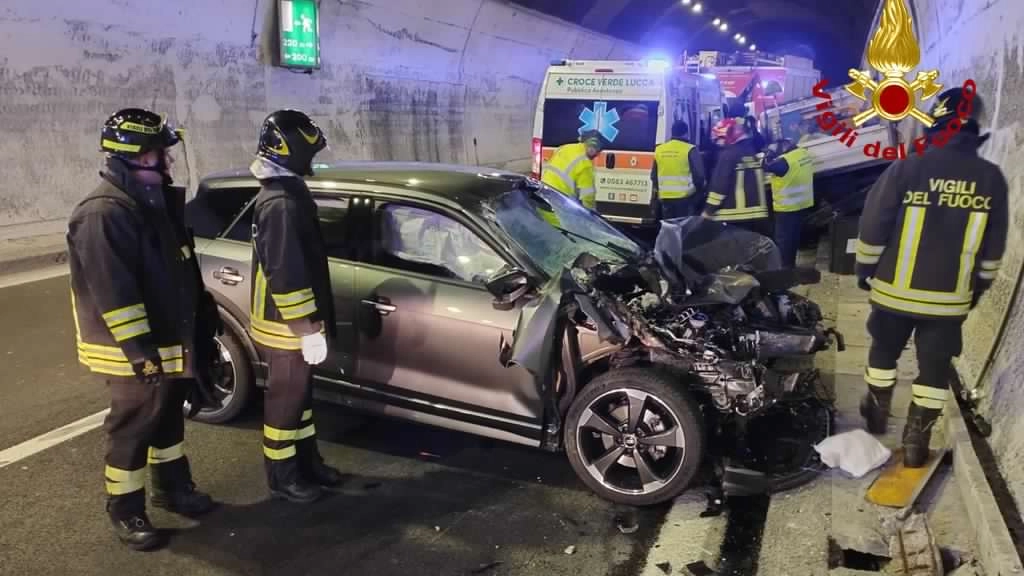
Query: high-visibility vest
[(674, 178), (795, 190), (571, 172)]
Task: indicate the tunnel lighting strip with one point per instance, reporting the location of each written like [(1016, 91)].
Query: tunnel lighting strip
[(722, 25)]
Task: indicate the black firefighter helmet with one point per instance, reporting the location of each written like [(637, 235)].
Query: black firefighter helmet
[(290, 139), (132, 132), (952, 104)]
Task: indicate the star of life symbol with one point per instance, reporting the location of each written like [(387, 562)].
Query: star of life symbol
[(601, 119), (893, 52)]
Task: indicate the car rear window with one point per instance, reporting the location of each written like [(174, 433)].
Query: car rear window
[(214, 209), (628, 125)]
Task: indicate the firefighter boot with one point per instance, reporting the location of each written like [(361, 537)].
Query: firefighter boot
[(917, 434), (286, 482), (131, 524), (312, 466), (874, 407), (174, 490)]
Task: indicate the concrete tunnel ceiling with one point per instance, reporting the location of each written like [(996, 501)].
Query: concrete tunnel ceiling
[(832, 33)]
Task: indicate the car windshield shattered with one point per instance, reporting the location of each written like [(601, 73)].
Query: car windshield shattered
[(553, 230)]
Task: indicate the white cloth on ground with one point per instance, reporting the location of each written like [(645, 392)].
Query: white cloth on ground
[(855, 452)]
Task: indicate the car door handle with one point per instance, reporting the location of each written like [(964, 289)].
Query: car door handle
[(382, 308), (228, 275)]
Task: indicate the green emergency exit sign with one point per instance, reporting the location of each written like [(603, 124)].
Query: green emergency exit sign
[(299, 26)]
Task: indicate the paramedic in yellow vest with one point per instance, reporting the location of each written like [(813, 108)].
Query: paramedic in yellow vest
[(571, 168), (678, 175), (792, 182)]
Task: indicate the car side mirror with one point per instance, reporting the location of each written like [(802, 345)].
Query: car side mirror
[(508, 286)]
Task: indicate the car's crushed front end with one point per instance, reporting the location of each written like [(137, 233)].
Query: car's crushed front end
[(712, 307)]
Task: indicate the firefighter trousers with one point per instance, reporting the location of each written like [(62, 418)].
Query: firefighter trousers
[(289, 437), (937, 341), (145, 427)]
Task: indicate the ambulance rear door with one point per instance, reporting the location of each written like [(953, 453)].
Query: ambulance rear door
[(625, 102)]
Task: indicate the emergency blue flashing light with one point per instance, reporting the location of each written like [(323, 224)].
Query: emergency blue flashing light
[(657, 65)]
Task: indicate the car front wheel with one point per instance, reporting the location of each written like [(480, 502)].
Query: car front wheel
[(234, 381), (635, 437)]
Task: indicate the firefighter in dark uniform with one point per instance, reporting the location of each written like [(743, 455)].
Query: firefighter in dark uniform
[(292, 315), (931, 240), (737, 195), (142, 320)]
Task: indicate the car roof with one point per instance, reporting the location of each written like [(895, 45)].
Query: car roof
[(468, 186)]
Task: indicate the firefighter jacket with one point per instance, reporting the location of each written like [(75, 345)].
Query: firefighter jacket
[(737, 186), (291, 291), (134, 283), (794, 190), (571, 172), (675, 177), (933, 231)]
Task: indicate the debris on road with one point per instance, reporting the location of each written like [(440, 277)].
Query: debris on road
[(858, 537), (487, 567), (914, 551), (665, 567), (627, 523), (570, 550), (699, 568), (855, 452)]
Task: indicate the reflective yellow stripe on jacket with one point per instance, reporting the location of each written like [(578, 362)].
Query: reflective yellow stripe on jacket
[(571, 172), (272, 334), (111, 360), (675, 180), (901, 295), (795, 190)]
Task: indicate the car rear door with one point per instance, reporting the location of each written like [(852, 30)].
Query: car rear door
[(226, 260), (429, 334)]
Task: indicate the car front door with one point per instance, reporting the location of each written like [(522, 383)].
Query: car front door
[(428, 329)]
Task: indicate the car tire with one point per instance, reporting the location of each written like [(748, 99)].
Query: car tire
[(661, 396), (241, 381)]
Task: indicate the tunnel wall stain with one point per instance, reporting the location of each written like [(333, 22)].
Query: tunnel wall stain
[(433, 80), (984, 40)]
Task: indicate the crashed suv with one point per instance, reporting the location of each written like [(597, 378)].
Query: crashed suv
[(491, 304)]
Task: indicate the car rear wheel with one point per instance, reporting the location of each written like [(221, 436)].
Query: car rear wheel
[(234, 384), (635, 437)]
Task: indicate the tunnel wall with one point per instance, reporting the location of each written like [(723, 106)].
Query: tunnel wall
[(433, 80), (984, 40)]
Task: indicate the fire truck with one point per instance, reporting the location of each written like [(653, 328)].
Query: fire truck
[(753, 82)]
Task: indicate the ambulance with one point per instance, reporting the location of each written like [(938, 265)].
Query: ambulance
[(633, 104)]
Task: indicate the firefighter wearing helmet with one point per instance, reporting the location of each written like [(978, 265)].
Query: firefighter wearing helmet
[(144, 324), (292, 317), (930, 243), (737, 194)]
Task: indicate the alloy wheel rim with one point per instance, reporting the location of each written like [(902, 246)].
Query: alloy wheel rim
[(631, 441)]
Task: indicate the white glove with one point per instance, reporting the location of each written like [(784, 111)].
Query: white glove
[(314, 348)]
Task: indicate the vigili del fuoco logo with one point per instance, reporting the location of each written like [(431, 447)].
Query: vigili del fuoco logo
[(893, 53)]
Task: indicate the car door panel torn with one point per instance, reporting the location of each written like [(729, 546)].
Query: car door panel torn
[(710, 312)]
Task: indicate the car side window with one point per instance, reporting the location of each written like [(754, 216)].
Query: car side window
[(213, 210), (242, 228), (421, 240), (336, 228)]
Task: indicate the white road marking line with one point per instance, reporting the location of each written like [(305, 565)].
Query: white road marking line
[(8, 280), (51, 438)]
